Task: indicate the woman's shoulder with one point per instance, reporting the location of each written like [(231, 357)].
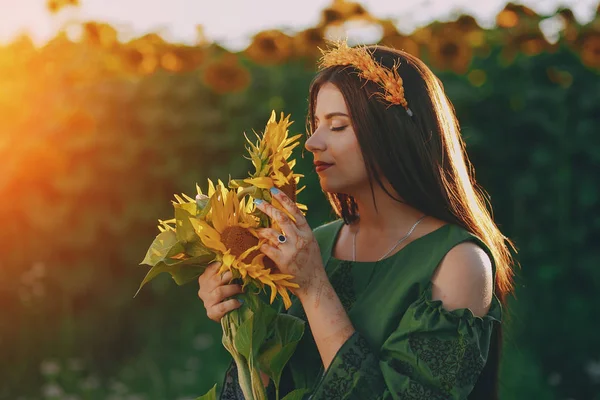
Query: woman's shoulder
[(464, 279)]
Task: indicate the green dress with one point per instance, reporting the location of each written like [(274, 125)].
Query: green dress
[(406, 346)]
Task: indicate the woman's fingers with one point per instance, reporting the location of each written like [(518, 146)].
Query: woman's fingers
[(274, 253), (222, 292), (210, 279), (209, 273), (270, 234), (290, 207), (217, 311), (216, 293), (282, 220)]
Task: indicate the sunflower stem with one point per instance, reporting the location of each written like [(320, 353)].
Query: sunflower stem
[(244, 378), (245, 191), (258, 388), (249, 377)]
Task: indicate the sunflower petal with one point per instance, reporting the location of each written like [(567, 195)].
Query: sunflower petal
[(285, 296), (275, 203), (262, 182), (208, 235)]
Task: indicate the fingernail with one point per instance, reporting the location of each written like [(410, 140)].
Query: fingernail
[(258, 201), (274, 190)]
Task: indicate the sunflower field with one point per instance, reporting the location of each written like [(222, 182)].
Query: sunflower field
[(96, 134)]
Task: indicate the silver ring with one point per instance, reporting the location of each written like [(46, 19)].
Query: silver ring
[(282, 239)]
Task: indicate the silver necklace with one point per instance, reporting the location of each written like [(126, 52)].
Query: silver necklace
[(393, 247)]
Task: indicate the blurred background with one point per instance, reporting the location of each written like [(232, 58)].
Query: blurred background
[(108, 108)]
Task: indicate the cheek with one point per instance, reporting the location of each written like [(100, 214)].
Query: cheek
[(354, 156)]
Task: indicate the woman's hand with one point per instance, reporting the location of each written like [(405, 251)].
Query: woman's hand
[(299, 255), (214, 289)]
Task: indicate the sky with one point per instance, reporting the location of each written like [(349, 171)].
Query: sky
[(233, 22)]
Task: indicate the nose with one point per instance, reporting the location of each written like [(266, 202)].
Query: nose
[(315, 142)]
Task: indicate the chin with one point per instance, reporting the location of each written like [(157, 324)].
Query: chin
[(332, 187)]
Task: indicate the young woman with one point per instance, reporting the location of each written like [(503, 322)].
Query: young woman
[(402, 294)]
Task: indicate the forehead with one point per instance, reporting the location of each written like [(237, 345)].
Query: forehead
[(329, 99)]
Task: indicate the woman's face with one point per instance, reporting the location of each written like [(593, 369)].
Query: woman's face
[(337, 156)]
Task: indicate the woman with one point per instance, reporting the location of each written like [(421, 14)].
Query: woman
[(401, 294)]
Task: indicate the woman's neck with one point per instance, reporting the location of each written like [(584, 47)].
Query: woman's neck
[(390, 216)]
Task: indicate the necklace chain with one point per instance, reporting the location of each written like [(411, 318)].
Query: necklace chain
[(393, 247)]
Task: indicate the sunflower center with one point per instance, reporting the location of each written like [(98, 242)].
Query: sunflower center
[(268, 45), (331, 16), (314, 36), (238, 240), (270, 264), (290, 188), (449, 50)]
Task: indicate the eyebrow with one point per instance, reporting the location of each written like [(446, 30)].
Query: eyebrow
[(334, 114)]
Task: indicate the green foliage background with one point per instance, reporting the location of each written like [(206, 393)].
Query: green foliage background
[(88, 165)]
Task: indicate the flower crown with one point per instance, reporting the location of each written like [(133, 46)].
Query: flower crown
[(360, 58)]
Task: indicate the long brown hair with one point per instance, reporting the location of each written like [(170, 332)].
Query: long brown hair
[(424, 159)]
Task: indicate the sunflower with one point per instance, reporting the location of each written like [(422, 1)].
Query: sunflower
[(473, 33), (308, 42), (530, 42), (226, 75), (55, 6), (273, 168), (229, 230), (516, 15), (99, 34), (590, 49), (392, 38), (341, 11), (270, 47), (449, 50), (570, 25)]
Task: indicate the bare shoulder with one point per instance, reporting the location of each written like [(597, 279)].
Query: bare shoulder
[(464, 279)]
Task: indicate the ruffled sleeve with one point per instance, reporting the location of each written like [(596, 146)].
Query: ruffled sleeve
[(433, 354)]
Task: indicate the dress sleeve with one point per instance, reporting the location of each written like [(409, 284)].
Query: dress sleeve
[(433, 354)]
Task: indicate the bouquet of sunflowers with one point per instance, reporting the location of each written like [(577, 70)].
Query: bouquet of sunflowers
[(221, 226)]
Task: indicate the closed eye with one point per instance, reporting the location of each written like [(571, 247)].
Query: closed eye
[(339, 128)]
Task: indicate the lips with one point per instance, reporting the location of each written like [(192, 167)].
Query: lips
[(321, 166)]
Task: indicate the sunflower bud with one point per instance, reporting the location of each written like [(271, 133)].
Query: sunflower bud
[(201, 201)]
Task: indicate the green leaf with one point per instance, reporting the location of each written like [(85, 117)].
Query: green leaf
[(252, 333), (275, 354), (187, 273), (184, 230), (153, 273), (160, 247), (196, 249), (297, 394), (211, 395), (182, 271)]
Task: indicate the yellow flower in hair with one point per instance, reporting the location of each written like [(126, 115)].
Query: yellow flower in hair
[(229, 230), (360, 58)]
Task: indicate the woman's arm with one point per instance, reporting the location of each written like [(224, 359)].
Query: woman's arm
[(329, 322), (300, 257)]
